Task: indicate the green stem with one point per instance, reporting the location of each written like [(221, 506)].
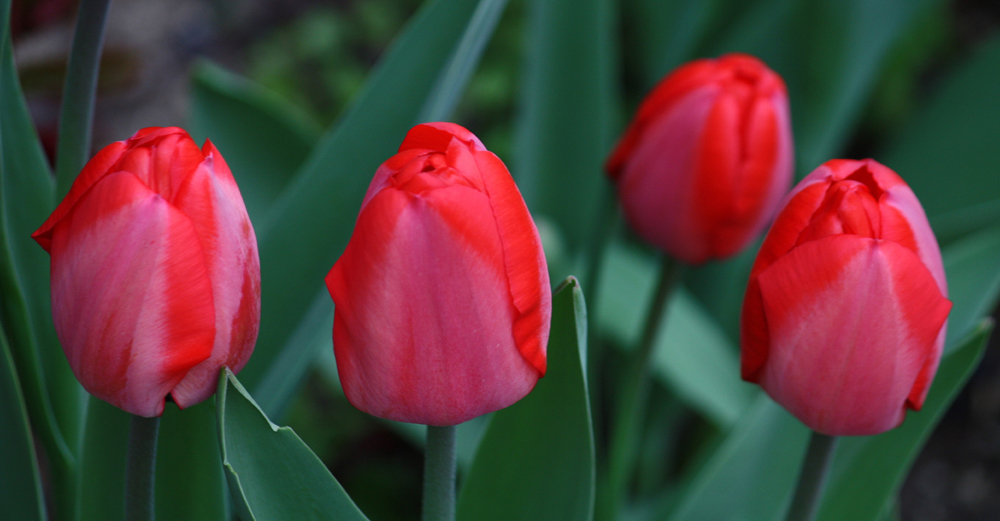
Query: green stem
[(439, 474), (140, 473), (634, 392), (812, 479), (77, 112)]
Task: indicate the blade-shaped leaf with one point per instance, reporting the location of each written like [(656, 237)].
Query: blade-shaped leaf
[(310, 224), (948, 154), (973, 268), (272, 474), (190, 483), (20, 482), (536, 459), (263, 137), (102, 462), (566, 125), (692, 355), (868, 470)]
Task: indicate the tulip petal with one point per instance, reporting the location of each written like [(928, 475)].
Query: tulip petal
[(523, 259), (852, 323), (132, 301), (422, 318), (210, 197)]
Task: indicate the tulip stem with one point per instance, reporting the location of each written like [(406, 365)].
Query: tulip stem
[(812, 479), (634, 393), (439, 474), (140, 472), (76, 114)]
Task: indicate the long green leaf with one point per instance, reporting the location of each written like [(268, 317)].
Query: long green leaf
[(20, 482), (868, 470), (948, 153), (536, 459), (973, 268), (102, 462), (264, 138), (310, 224), (190, 483), (566, 123), (272, 474)]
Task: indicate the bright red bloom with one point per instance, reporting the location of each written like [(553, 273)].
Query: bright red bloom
[(845, 313), (442, 295), (704, 164), (155, 276)]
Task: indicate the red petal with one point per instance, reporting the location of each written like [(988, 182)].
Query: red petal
[(852, 322), (131, 297)]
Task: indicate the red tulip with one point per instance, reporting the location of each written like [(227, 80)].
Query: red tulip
[(442, 295), (704, 164), (155, 277), (844, 316)]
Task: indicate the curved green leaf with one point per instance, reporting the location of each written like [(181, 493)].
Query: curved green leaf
[(272, 474), (102, 462), (536, 459), (20, 482), (190, 483), (263, 137), (973, 268)]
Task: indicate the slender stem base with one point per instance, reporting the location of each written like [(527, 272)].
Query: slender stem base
[(439, 474), (812, 479), (634, 393), (140, 473)]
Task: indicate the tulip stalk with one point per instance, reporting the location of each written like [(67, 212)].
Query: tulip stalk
[(635, 390), (439, 474), (140, 472), (812, 479)]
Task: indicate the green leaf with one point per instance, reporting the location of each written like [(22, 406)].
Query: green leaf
[(310, 224), (868, 470), (536, 459), (948, 154), (20, 482), (565, 129), (972, 265), (692, 355), (102, 462), (751, 474), (272, 474), (190, 483), (263, 137)]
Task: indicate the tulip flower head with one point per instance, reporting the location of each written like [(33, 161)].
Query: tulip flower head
[(155, 274), (702, 167), (845, 313), (442, 294)]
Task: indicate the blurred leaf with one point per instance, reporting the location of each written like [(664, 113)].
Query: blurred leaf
[(20, 483), (948, 153), (536, 459), (310, 224), (692, 356), (25, 199), (263, 137), (830, 53), (190, 483), (272, 474), (565, 128), (751, 474), (973, 269), (102, 462), (868, 470), (719, 288)]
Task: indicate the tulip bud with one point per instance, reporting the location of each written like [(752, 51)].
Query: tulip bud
[(442, 295), (703, 165), (155, 275), (844, 315)]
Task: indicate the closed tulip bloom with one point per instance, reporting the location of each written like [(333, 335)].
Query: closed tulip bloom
[(442, 294), (155, 275), (702, 167), (844, 315)]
